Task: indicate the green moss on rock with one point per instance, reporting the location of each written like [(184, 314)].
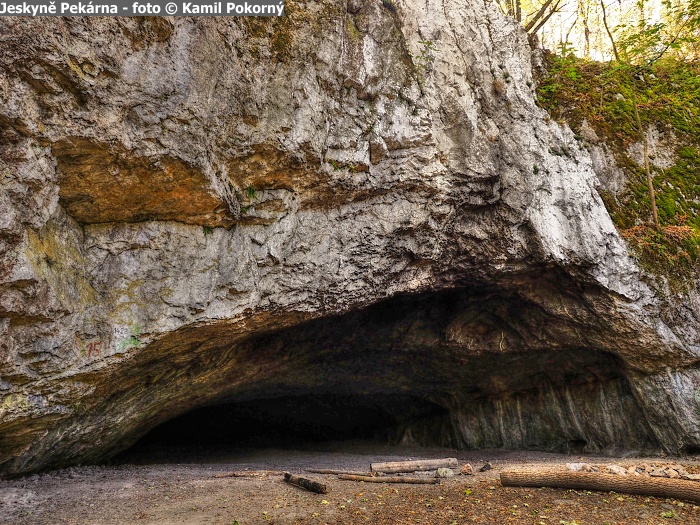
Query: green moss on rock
[(574, 90)]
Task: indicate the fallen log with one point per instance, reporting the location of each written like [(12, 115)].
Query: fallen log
[(334, 471), (565, 479), (311, 486), (393, 467), (248, 474), (389, 479)]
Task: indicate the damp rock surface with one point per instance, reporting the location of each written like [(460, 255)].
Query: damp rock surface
[(355, 200)]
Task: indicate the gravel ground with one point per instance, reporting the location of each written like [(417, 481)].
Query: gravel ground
[(185, 490)]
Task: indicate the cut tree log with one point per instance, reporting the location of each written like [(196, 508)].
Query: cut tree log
[(334, 471), (393, 467), (565, 479), (390, 479), (248, 474), (310, 485)]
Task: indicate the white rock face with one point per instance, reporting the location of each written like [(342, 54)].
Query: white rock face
[(183, 200), (662, 149)]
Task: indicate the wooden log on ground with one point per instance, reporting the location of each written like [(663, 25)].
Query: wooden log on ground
[(393, 467), (249, 474), (334, 471), (310, 485), (389, 479), (565, 479)]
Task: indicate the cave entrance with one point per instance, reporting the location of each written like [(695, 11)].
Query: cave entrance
[(467, 368), (286, 422)]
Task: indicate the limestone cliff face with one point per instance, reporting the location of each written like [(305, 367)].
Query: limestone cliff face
[(360, 197)]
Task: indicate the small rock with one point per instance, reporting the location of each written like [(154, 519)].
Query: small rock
[(443, 472), (616, 469), (619, 96), (692, 477), (658, 473), (487, 466), (672, 473), (467, 470), (354, 6), (588, 133), (680, 469), (579, 467)]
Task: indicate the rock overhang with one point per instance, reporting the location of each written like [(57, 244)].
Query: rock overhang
[(417, 187)]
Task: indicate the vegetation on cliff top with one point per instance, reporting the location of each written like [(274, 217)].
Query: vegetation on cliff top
[(599, 95)]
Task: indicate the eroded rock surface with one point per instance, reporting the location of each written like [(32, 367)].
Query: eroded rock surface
[(356, 198)]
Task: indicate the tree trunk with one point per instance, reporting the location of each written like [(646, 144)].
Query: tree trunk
[(335, 471), (650, 178), (312, 486), (248, 474), (390, 479), (638, 125), (414, 466), (565, 479)]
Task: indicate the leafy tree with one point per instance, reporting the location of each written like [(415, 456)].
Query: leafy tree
[(638, 47), (537, 13)]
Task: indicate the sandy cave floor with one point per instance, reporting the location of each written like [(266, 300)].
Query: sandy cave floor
[(186, 491)]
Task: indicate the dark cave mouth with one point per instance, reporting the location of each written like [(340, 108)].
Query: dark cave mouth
[(286, 422), (431, 370)]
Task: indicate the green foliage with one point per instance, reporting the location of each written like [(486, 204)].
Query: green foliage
[(208, 230), (673, 251), (643, 43), (668, 95), (426, 56), (251, 192)]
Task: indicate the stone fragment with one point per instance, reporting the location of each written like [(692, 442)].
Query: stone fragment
[(467, 470), (616, 469), (588, 133), (444, 472), (680, 469), (579, 467), (658, 473), (487, 466)]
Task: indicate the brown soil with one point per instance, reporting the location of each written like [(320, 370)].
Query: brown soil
[(189, 493)]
